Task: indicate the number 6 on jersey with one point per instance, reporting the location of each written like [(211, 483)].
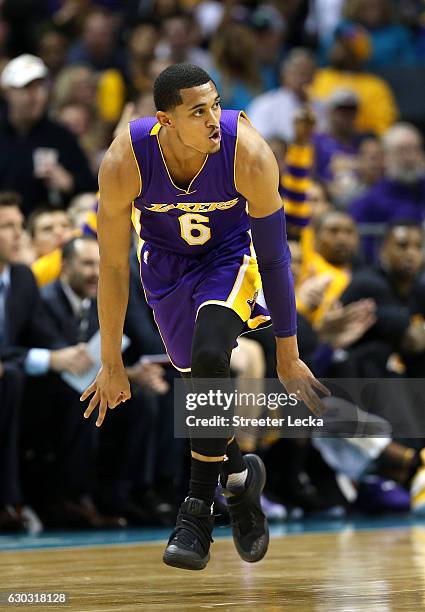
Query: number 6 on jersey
[(193, 230)]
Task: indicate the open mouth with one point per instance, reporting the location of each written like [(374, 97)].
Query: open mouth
[(215, 136)]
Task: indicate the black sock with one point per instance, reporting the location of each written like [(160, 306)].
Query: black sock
[(234, 464), (204, 479)]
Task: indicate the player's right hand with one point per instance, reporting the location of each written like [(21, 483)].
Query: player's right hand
[(109, 389)]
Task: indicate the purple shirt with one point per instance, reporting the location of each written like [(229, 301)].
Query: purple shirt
[(326, 148), (209, 213), (388, 201)]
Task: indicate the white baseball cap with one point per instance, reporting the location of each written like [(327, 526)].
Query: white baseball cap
[(23, 70)]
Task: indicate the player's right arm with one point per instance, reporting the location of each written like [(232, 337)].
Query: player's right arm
[(119, 185)]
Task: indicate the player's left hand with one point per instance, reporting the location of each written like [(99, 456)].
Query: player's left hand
[(299, 380)]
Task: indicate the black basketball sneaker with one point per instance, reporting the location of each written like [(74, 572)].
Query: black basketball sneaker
[(249, 523), (189, 544)]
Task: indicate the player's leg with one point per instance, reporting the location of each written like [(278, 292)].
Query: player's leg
[(215, 336)]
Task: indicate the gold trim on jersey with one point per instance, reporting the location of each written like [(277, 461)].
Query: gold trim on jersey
[(155, 132), (135, 159), (135, 219), (241, 114), (241, 297)]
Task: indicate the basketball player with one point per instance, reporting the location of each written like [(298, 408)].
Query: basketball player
[(189, 173)]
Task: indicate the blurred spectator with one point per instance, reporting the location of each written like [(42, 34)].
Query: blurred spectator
[(302, 484), (398, 289), (76, 117), (91, 134), (72, 313), (80, 207), (269, 29), (340, 142), (141, 43), (72, 310), (11, 378), (323, 18), (401, 193), (329, 267), (179, 42), (236, 72), (69, 15), (49, 229), (78, 98), (39, 159), (369, 169), (339, 328), (23, 326), (391, 42), (295, 179), (98, 48), (75, 85), (156, 67), (97, 45), (52, 45), (150, 10), (317, 197), (273, 113), (347, 57)]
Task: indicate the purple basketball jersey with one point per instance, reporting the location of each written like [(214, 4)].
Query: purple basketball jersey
[(196, 247), (195, 220)]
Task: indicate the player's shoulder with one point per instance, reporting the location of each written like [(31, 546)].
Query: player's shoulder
[(142, 128), (119, 166), (119, 152)]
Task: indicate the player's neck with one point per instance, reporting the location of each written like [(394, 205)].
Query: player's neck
[(179, 155)]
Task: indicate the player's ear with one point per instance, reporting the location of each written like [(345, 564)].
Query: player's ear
[(164, 119)]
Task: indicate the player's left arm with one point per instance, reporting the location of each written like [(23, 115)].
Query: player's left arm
[(257, 179)]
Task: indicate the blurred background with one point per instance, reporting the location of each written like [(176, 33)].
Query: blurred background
[(337, 87)]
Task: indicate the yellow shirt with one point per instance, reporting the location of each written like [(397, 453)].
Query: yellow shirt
[(378, 109), (47, 269), (341, 277), (110, 95)]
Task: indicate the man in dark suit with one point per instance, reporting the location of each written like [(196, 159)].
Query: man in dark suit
[(23, 326), (72, 310), (57, 442)]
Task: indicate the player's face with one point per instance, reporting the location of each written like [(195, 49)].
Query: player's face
[(197, 119)]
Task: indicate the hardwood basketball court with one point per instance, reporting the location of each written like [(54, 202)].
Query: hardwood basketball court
[(348, 569)]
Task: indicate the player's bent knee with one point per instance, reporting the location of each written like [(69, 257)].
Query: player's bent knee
[(210, 362)]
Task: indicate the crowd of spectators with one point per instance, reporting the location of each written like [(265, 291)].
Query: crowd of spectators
[(335, 87)]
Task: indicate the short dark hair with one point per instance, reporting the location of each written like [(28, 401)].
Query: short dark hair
[(69, 250), (320, 221), (408, 223), (10, 198), (167, 86), (41, 210)]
